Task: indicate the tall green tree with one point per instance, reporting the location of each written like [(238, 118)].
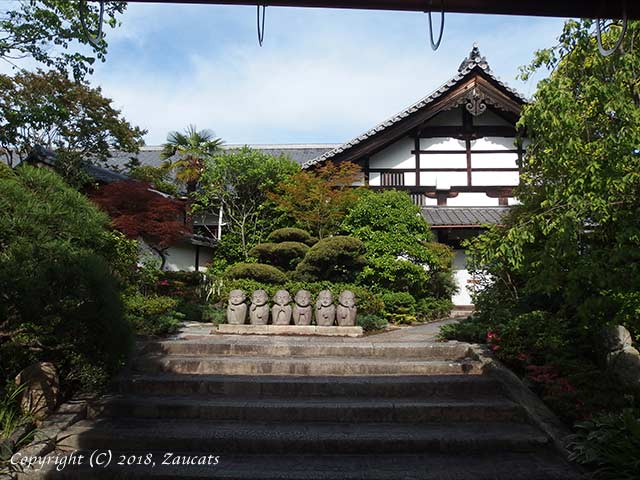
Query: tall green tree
[(239, 182), (572, 248), (51, 33), (318, 200), (187, 153), (68, 116)]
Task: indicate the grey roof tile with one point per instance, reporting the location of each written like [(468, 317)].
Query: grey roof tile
[(460, 216)]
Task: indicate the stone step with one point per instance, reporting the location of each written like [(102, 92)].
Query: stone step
[(338, 410), (443, 386), (283, 347), (257, 365), (220, 438), (544, 465)]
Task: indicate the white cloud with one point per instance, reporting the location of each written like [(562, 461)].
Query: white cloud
[(322, 76)]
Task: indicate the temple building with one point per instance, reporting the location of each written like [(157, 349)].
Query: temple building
[(455, 151)]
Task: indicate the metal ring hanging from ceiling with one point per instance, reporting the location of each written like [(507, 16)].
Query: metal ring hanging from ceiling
[(435, 45), (83, 10), (260, 27), (600, 26)]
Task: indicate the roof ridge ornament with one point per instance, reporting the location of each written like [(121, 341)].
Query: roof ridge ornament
[(474, 58)]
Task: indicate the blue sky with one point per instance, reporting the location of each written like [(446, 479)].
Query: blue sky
[(322, 76)]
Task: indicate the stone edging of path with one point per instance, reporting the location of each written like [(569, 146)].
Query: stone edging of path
[(50, 431), (541, 416)]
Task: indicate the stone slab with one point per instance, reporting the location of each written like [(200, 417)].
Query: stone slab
[(289, 330)]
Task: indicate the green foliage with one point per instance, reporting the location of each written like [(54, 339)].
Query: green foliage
[(336, 259), (399, 307), (285, 255), (213, 315), (240, 181), (467, 330), (158, 177), (371, 323), (258, 272), (289, 234), (70, 117), (400, 254), (50, 32), (319, 198), (59, 299), (16, 429), (609, 444), (567, 261), (430, 308), (153, 314)]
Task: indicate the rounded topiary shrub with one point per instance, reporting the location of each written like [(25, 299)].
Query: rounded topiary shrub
[(258, 272), (285, 255), (399, 307), (292, 235), (337, 259)]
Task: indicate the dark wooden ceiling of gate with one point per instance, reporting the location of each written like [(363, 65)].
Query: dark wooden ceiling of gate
[(546, 8)]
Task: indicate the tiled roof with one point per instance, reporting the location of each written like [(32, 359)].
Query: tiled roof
[(299, 153), (474, 60), (458, 216)]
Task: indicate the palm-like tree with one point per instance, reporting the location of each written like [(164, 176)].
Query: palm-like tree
[(190, 150)]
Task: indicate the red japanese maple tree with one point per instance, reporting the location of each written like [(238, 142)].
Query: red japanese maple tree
[(139, 212)]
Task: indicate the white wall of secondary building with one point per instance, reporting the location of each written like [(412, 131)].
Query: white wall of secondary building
[(468, 199), (462, 278), (183, 258)]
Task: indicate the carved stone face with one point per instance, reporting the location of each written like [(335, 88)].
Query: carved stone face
[(282, 297), (347, 299), (259, 297), (324, 298), (236, 297), (303, 298)]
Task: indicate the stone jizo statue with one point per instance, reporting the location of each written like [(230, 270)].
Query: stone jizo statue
[(237, 308), (346, 310), (302, 310), (281, 310), (325, 309), (259, 310)]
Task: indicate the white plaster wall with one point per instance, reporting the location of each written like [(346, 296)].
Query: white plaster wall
[(397, 155), (374, 179), (462, 277), (446, 119), (495, 178), (494, 143), (410, 179), (181, 258), (490, 118), (472, 199), (430, 202), (442, 143), (443, 160), (443, 180), (513, 201), (494, 160)]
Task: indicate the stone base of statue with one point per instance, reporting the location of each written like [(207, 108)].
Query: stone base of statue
[(334, 331)]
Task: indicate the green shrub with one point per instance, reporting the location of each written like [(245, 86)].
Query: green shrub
[(256, 271), (336, 259), (214, 315), (609, 444), (192, 311), (153, 314), (284, 255), (469, 330), (371, 323), (60, 299), (292, 235), (430, 308), (399, 307)]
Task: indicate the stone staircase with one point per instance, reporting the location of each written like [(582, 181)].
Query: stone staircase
[(310, 408)]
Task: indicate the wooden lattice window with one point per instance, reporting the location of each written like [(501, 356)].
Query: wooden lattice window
[(393, 179)]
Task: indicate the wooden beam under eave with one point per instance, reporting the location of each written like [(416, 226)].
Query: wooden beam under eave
[(541, 8)]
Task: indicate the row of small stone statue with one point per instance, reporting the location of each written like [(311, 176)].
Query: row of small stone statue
[(282, 313)]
